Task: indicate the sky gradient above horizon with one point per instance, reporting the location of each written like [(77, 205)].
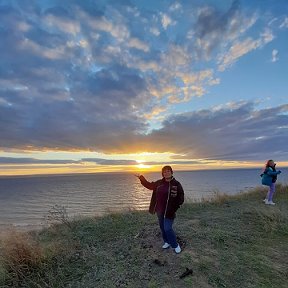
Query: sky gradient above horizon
[(95, 86)]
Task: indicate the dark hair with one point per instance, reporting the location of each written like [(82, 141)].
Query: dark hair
[(267, 163), (167, 167)]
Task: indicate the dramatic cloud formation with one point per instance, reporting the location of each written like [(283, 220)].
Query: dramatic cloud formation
[(123, 77), (233, 132)]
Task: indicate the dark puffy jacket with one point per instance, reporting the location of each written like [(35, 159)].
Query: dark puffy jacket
[(175, 195)]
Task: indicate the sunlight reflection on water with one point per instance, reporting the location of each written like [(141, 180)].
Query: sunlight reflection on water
[(26, 200)]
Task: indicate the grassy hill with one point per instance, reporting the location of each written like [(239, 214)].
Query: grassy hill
[(231, 242)]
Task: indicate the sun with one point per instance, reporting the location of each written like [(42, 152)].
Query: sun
[(142, 165)]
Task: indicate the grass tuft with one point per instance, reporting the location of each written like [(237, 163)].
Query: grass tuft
[(22, 255)]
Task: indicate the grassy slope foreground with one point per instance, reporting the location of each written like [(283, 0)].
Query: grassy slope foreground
[(231, 242)]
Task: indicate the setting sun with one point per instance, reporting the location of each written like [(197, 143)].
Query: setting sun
[(143, 166)]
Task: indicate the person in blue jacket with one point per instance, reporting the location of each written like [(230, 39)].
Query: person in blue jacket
[(269, 178)]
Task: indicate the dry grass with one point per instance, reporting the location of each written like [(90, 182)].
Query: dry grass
[(21, 255)]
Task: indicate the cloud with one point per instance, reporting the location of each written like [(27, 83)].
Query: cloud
[(239, 49), (155, 112), (100, 161), (13, 160), (136, 43), (214, 27), (87, 76), (274, 55), (235, 131), (166, 21), (221, 35), (284, 24), (230, 132)]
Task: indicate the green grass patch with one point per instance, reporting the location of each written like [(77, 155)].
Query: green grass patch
[(234, 241)]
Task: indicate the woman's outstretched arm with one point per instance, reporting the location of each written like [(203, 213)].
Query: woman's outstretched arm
[(145, 183)]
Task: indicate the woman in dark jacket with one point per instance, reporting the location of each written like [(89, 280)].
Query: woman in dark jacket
[(166, 198)]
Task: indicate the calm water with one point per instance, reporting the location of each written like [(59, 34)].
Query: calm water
[(25, 201)]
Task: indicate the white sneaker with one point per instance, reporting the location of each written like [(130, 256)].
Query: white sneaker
[(177, 249), (166, 245), (271, 203), (265, 200)]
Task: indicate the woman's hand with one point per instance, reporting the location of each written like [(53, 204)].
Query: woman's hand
[(137, 175)]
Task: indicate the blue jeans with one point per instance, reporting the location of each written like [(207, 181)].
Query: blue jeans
[(168, 233), (271, 192)]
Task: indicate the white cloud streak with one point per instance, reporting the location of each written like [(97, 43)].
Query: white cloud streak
[(239, 49)]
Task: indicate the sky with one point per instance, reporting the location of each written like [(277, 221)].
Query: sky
[(131, 85)]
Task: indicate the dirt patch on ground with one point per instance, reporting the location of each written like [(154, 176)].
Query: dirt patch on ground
[(163, 261)]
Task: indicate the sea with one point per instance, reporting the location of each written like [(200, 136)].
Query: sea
[(28, 202)]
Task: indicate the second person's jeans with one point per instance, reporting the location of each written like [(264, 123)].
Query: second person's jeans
[(271, 192)]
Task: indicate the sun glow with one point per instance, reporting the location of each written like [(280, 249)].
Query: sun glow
[(143, 166)]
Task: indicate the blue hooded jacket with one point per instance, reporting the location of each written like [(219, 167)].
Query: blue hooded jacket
[(269, 176)]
